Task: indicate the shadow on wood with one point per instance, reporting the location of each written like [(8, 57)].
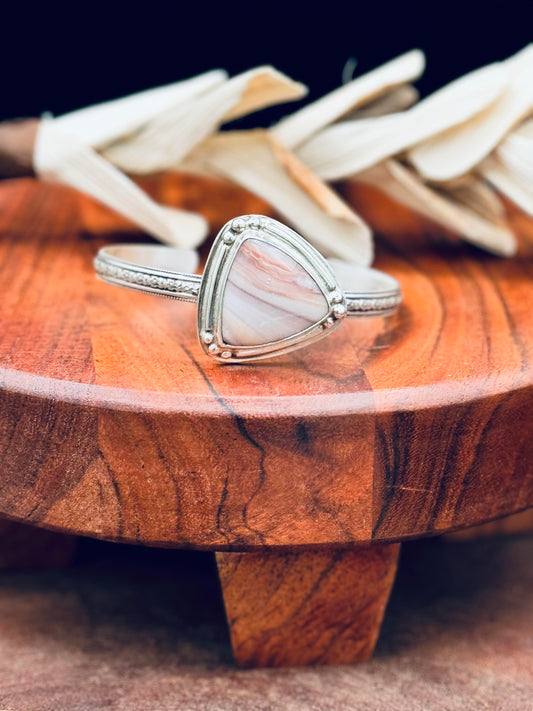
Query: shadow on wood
[(28, 547)]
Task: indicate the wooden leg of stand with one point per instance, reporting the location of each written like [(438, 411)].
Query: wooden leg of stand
[(26, 547), (313, 607)]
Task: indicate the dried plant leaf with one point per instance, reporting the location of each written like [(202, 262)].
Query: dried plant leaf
[(255, 160), (298, 127), (516, 153), (349, 147), (63, 158), (510, 167), (459, 149), (326, 198), (103, 123), (404, 186), (262, 87), (398, 99), (477, 195), (172, 134), (511, 184), (525, 129), (176, 127)]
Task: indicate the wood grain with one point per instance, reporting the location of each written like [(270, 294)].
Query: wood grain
[(113, 424), (311, 607)]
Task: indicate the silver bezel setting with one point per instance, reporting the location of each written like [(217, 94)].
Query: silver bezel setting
[(215, 277)]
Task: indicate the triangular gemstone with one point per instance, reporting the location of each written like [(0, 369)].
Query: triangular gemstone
[(268, 296)]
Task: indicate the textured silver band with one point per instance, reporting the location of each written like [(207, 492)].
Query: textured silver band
[(140, 267), (175, 285)]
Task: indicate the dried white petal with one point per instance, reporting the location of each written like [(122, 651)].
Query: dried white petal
[(63, 158), (510, 184), (349, 147), (102, 123), (516, 153), (405, 187), (255, 160), (510, 167), (525, 129), (457, 150), (164, 142), (262, 87), (398, 99), (477, 195), (298, 127)]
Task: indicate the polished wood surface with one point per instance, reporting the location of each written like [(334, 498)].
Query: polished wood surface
[(114, 425), (311, 607)]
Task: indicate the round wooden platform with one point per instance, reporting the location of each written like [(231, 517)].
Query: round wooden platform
[(114, 425)]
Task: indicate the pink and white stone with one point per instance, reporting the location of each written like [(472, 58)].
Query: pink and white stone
[(268, 296)]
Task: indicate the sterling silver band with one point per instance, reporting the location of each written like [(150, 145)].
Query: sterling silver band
[(265, 290), (165, 271)]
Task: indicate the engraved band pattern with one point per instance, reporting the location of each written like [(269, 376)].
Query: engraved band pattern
[(186, 287)]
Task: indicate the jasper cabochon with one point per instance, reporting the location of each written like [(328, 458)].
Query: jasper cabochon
[(268, 296)]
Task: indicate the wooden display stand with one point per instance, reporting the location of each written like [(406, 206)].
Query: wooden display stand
[(303, 473)]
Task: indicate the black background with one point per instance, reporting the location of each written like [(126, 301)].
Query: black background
[(58, 61)]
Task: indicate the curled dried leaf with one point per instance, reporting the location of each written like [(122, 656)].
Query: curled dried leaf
[(477, 195), (165, 141), (349, 147), (101, 124), (262, 87), (508, 182), (458, 150), (509, 168), (404, 186), (256, 161), (63, 158), (297, 128), (398, 99)]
